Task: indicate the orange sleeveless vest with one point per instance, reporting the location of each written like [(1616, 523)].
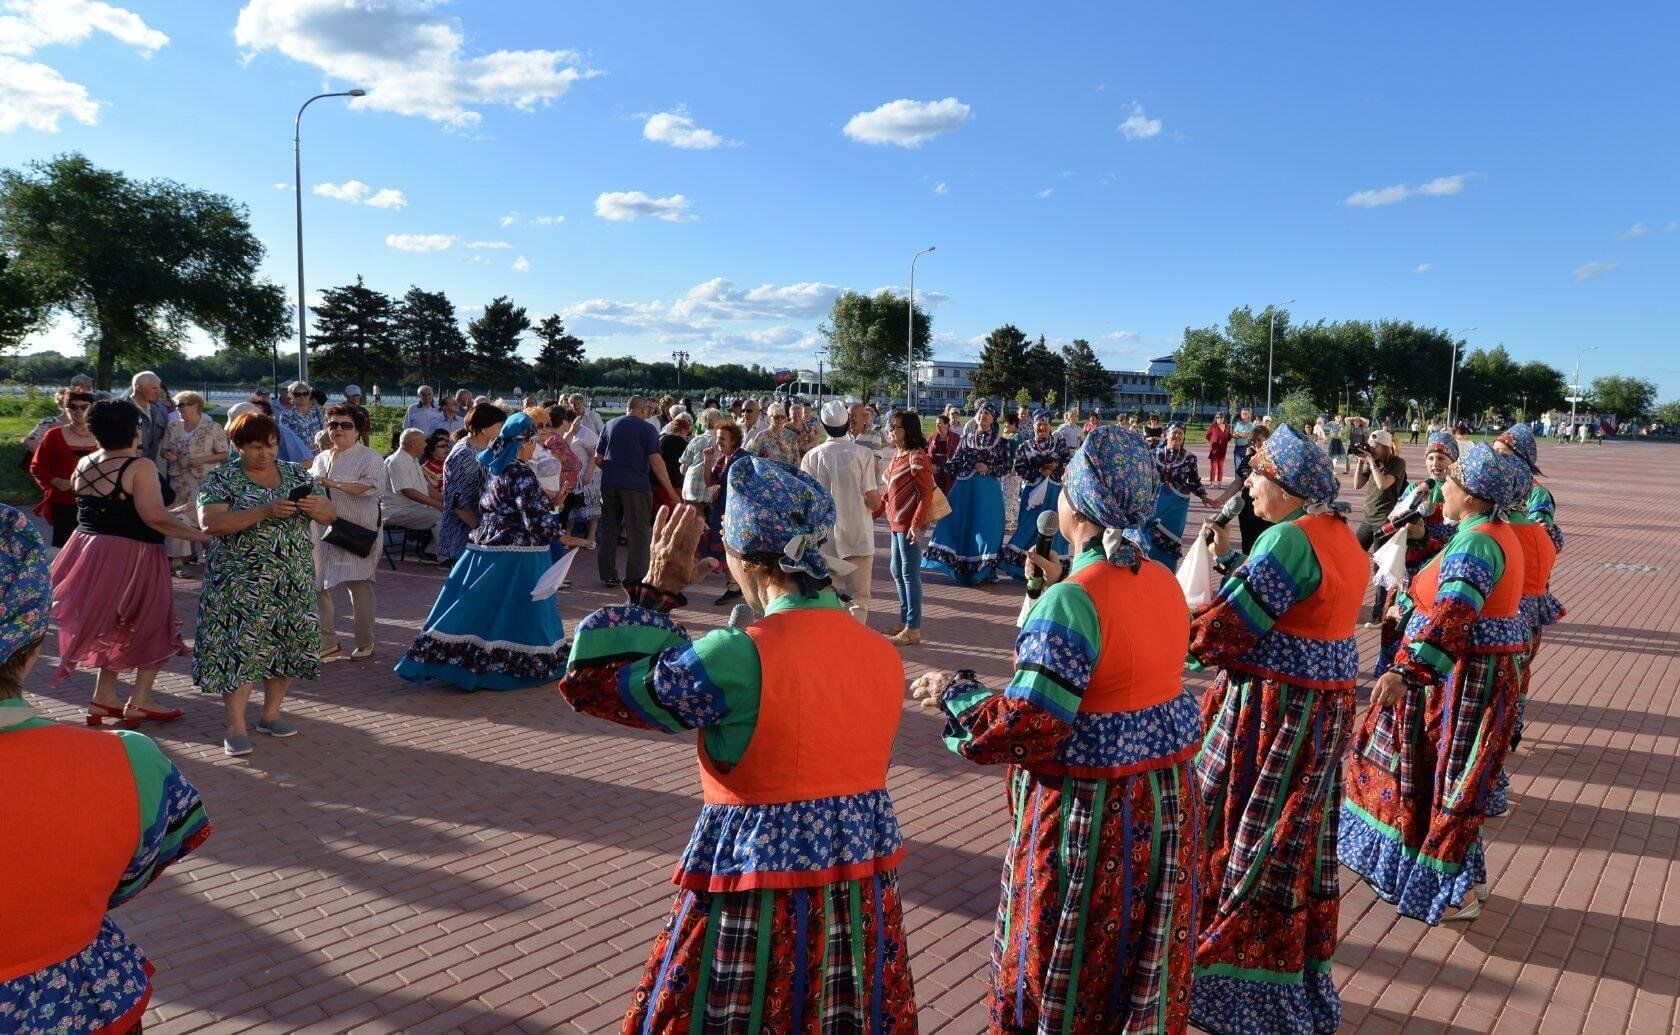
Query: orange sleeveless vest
[(1505, 600), (1539, 555), (70, 800), (1145, 631), (1330, 612), (831, 696)]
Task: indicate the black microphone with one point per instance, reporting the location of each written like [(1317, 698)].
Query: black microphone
[(1407, 516), (1047, 525), (1227, 514)]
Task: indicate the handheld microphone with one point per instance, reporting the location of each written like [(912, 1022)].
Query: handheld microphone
[(1423, 508), (1227, 514), (741, 616), (1047, 525)]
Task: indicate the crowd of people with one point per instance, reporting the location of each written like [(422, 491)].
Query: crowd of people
[(1172, 860)]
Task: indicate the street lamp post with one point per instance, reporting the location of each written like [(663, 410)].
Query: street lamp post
[(1271, 335), (297, 196), (910, 338), (680, 358), (1575, 396), (1452, 375)]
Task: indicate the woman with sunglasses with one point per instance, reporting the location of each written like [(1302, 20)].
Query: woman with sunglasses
[(191, 447), (352, 474), (485, 632), (303, 418), (55, 462)]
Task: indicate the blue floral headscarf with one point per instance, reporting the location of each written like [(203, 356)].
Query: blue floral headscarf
[(1520, 438), (1444, 442), (1497, 478), (776, 508), (1299, 466), (505, 449), (28, 588), (1112, 481)]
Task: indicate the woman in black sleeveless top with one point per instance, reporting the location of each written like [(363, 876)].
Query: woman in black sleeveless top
[(112, 596)]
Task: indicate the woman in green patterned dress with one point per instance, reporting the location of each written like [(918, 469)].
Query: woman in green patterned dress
[(256, 616)]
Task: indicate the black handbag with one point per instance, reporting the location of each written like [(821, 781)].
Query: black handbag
[(348, 535)]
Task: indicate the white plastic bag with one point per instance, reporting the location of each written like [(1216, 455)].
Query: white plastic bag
[(1390, 560), (1195, 572)]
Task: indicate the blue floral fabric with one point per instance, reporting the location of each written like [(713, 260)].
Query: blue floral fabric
[(980, 447), (775, 507), (1113, 479), (1297, 464), (1442, 442), (735, 841), (1520, 438), (516, 511), (1498, 478), (23, 571), (463, 484), (1133, 740), (1428, 888), (1232, 1005)]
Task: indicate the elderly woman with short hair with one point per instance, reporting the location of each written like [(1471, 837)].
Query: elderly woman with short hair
[(351, 473), (303, 418), (192, 446), (254, 622)]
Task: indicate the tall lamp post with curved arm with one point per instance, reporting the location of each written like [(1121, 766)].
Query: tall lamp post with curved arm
[(910, 338), (1452, 375), (297, 194)]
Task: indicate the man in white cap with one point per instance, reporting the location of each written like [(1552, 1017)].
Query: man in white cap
[(353, 397), (847, 470)]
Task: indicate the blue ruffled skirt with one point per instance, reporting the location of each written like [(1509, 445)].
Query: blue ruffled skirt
[(485, 632), (1012, 559), (966, 543)]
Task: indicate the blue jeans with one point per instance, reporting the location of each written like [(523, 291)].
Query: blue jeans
[(907, 577)]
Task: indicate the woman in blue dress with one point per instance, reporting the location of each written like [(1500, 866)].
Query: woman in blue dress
[(485, 631), (1040, 461), (1176, 467), (966, 542)]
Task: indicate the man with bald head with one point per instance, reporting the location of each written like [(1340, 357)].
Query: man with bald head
[(407, 501), (146, 393)]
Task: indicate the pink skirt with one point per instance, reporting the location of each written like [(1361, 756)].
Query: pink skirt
[(114, 605)]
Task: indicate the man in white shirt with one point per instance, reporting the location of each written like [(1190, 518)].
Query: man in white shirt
[(421, 414), (406, 502), (751, 426), (589, 417), (448, 418), (847, 470), (695, 460), (1070, 434)]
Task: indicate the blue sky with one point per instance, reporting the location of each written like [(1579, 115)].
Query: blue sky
[(1086, 170)]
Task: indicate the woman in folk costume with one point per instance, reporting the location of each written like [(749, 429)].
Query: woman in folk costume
[(966, 541), (1426, 536), (1279, 718), (1098, 911), (1539, 607), (1040, 462), (788, 918), (484, 631), (1429, 751), (1176, 467), (91, 818)]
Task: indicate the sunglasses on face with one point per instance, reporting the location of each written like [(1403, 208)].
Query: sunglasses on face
[(78, 407), (300, 395), (341, 425)]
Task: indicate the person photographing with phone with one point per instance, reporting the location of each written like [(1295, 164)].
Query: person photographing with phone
[(1381, 475)]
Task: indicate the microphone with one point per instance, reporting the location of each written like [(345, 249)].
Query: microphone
[(1227, 514), (741, 616), (1047, 525), (1423, 508)]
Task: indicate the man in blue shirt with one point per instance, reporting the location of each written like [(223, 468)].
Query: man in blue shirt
[(630, 464)]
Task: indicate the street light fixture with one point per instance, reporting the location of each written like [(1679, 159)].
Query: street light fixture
[(297, 195), (1271, 334), (910, 338), (680, 358), (1575, 397), (1452, 374)]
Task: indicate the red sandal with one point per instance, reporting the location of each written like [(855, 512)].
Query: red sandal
[(150, 715), (98, 713)]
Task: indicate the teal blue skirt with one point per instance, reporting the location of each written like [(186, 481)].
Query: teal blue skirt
[(966, 543), (485, 632)]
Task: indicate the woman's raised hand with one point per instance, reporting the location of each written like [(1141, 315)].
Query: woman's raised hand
[(676, 565)]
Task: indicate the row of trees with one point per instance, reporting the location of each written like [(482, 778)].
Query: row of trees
[(1010, 368)]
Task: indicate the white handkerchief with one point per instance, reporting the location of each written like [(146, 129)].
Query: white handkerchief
[(549, 584)]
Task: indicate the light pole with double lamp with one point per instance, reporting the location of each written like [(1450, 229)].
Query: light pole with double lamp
[(1452, 374), (910, 338), (1575, 397), (297, 192), (1271, 336)]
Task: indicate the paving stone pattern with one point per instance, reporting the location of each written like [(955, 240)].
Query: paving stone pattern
[(424, 860)]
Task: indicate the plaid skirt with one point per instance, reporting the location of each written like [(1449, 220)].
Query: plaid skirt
[(1270, 777), (1419, 784), (1099, 904), (826, 960)]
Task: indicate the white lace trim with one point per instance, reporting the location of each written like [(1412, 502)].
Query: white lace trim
[(507, 549), (479, 641)]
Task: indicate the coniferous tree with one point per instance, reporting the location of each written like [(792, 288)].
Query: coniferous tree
[(1003, 363), (1044, 369), (429, 337), (559, 354), (495, 341), (1086, 378), (354, 337)]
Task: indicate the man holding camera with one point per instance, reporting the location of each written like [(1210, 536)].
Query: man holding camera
[(1382, 474)]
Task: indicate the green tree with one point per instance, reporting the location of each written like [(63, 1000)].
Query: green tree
[(428, 336), (21, 308), (1627, 397), (495, 339), (1201, 366), (1086, 377), (355, 334), (1540, 387), (1298, 409), (1667, 413), (1045, 369), (866, 340), (136, 263), (1051, 397), (560, 354), (1003, 363)]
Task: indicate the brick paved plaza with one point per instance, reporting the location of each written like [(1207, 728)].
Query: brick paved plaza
[(426, 860)]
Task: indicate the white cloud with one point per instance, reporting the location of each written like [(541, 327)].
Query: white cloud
[(1045, 193), (907, 123), (388, 197), (775, 336), (624, 206), (521, 265), (282, 186), (1636, 230), (1423, 267), (36, 96), (940, 188), (677, 128), (352, 191), (1592, 271), (924, 298), (720, 299), (1121, 336), (548, 220), (419, 242), (1139, 126), (411, 59), (478, 260), (475, 245), (1440, 187), (1671, 227), (508, 220)]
